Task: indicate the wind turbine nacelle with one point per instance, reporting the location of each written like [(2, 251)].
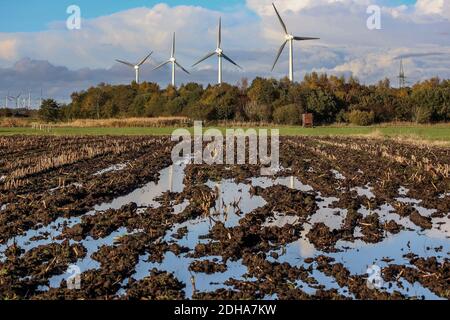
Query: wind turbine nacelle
[(219, 51), (136, 67), (289, 37), (172, 59)]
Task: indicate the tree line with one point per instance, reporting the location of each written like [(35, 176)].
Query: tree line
[(330, 99)]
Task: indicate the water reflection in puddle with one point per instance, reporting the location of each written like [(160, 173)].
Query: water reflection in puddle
[(364, 191), (115, 167)]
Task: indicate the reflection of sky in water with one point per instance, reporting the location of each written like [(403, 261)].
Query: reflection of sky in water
[(337, 175), (114, 167), (179, 266), (364, 191), (170, 179), (234, 201), (91, 246)]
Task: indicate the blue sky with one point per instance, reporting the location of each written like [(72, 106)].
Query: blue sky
[(35, 15)]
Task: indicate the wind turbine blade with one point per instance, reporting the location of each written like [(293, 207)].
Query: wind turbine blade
[(209, 55), (145, 59), (173, 46), (181, 67), (281, 20), (126, 63), (280, 51), (219, 35), (161, 65), (231, 61), (305, 38)]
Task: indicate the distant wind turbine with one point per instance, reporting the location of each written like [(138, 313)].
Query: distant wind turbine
[(174, 62), (289, 38), (16, 99), (220, 54), (135, 66)]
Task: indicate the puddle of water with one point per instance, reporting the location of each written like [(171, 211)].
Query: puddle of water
[(337, 175), (229, 193), (331, 217), (233, 202), (91, 246), (115, 167), (179, 266), (290, 182), (280, 220), (359, 255), (402, 191), (414, 289), (47, 233), (171, 179), (75, 184), (416, 204), (179, 208), (364, 191)]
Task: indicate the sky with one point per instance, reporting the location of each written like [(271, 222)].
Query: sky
[(37, 51)]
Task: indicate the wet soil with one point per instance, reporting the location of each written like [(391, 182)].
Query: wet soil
[(140, 227)]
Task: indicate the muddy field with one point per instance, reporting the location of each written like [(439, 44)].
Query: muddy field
[(140, 227)]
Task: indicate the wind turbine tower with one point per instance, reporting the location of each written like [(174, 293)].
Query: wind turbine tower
[(137, 66), (173, 61), (289, 38), (220, 54), (6, 100)]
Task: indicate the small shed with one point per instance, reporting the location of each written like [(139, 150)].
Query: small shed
[(308, 120)]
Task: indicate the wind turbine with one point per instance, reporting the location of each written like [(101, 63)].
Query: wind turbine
[(289, 38), (220, 54), (16, 99), (135, 66), (174, 62)]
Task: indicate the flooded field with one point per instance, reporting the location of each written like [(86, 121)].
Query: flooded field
[(342, 219)]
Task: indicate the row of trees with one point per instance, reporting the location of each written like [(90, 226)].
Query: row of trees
[(17, 113), (331, 99)]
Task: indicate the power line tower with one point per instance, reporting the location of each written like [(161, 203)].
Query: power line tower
[(401, 76)]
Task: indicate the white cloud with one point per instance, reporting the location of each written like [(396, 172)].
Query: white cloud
[(424, 63), (264, 7), (434, 7), (131, 34), (8, 49)]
